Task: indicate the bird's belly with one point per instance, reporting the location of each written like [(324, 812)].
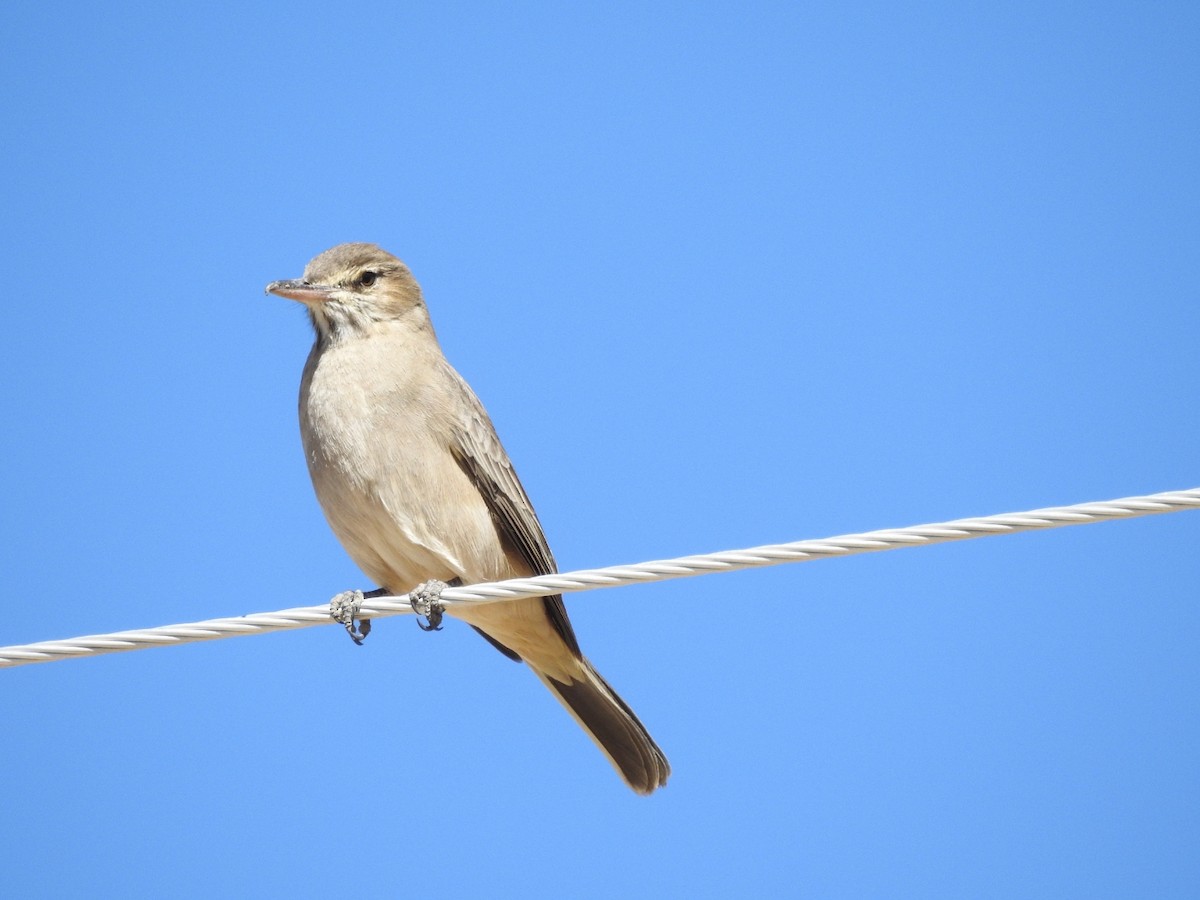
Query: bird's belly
[(407, 518)]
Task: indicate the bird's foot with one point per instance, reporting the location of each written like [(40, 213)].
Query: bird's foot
[(344, 608), (426, 600)]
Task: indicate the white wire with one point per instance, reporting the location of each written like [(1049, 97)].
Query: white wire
[(613, 576)]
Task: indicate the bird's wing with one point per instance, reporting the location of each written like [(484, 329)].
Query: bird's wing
[(478, 451)]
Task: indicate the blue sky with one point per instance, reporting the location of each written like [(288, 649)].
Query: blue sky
[(724, 275)]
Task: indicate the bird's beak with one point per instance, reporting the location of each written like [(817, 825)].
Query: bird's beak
[(294, 289)]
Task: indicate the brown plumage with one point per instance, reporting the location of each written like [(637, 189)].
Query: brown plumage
[(416, 485)]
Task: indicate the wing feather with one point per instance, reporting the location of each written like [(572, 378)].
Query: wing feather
[(479, 453)]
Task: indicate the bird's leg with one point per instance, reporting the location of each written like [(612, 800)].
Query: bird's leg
[(344, 609), (426, 601)]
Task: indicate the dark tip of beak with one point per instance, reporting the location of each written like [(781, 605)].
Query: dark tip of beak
[(301, 291)]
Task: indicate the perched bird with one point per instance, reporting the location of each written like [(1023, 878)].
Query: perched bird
[(416, 485)]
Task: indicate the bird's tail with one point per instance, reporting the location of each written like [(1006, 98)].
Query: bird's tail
[(610, 722)]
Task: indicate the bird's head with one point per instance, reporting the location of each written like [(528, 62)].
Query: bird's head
[(356, 289)]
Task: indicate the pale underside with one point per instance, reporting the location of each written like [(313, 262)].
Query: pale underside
[(399, 475)]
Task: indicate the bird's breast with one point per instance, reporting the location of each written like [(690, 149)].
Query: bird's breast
[(378, 448)]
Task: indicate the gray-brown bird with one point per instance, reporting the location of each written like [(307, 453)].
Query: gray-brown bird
[(416, 485)]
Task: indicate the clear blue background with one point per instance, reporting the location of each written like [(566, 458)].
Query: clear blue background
[(724, 275)]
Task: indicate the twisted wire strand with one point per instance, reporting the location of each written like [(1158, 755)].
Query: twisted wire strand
[(614, 576)]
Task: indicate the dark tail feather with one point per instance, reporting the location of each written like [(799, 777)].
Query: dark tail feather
[(614, 728)]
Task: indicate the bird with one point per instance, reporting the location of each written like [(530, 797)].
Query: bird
[(414, 482)]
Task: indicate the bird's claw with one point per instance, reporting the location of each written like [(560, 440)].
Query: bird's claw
[(345, 608), (426, 600)]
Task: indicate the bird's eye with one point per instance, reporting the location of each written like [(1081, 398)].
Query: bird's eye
[(366, 279)]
